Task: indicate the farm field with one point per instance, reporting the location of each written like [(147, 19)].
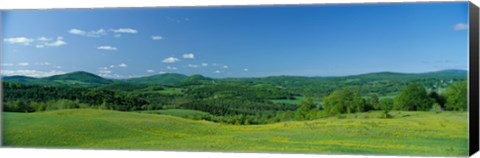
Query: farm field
[(407, 133)]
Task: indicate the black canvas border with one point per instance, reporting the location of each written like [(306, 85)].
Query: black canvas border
[(473, 82)]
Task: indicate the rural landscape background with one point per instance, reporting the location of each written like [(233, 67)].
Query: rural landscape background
[(333, 79)]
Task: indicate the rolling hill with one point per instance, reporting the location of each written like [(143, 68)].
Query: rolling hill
[(409, 133), (78, 78), (167, 78), (81, 78)]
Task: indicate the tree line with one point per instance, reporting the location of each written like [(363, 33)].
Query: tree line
[(414, 97), (232, 103)]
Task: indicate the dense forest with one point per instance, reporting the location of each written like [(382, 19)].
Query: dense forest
[(242, 100)]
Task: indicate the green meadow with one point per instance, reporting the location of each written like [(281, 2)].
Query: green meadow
[(407, 133), (371, 114)]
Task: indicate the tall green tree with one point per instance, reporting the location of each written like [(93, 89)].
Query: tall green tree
[(344, 101), (304, 108), (438, 98), (413, 98), (386, 105), (374, 101), (457, 96)]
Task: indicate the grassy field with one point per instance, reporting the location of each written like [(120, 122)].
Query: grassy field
[(185, 113), (409, 133)]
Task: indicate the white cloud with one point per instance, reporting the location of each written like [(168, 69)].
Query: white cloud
[(150, 71), (104, 71), (124, 30), (171, 68), (41, 42), (57, 43), (43, 39), (225, 66), (189, 56), (192, 65), (44, 42), (77, 32), (245, 69), (117, 35), (43, 63), (170, 60), (109, 75), (460, 26), (31, 73), (157, 37), (7, 64), (23, 64), (122, 65), (98, 33), (19, 40), (204, 64), (109, 48), (217, 72), (134, 76)]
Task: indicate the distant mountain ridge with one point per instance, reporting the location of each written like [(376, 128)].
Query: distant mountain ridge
[(166, 78), (82, 78)]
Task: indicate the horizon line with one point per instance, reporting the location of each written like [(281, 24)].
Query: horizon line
[(326, 76)]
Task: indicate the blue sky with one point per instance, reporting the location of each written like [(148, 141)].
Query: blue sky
[(253, 41)]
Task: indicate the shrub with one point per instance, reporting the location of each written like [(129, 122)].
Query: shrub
[(413, 98), (436, 108), (457, 96)]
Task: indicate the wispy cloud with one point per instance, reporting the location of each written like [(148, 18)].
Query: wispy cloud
[(45, 42), (245, 69), (204, 64), (460, 26), (217, 72), (57, 43), (19, 40), (109, 48), (124, 30), (93, 33), (7, 64), (23, 64), (171, 68), (157, 37), (31, 73), (122, 65), (189, 56), (43, 63), (107, 73), (44, 39), (104, 71), (150, 71), (192, 65), (225, 66), (170, 60)]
